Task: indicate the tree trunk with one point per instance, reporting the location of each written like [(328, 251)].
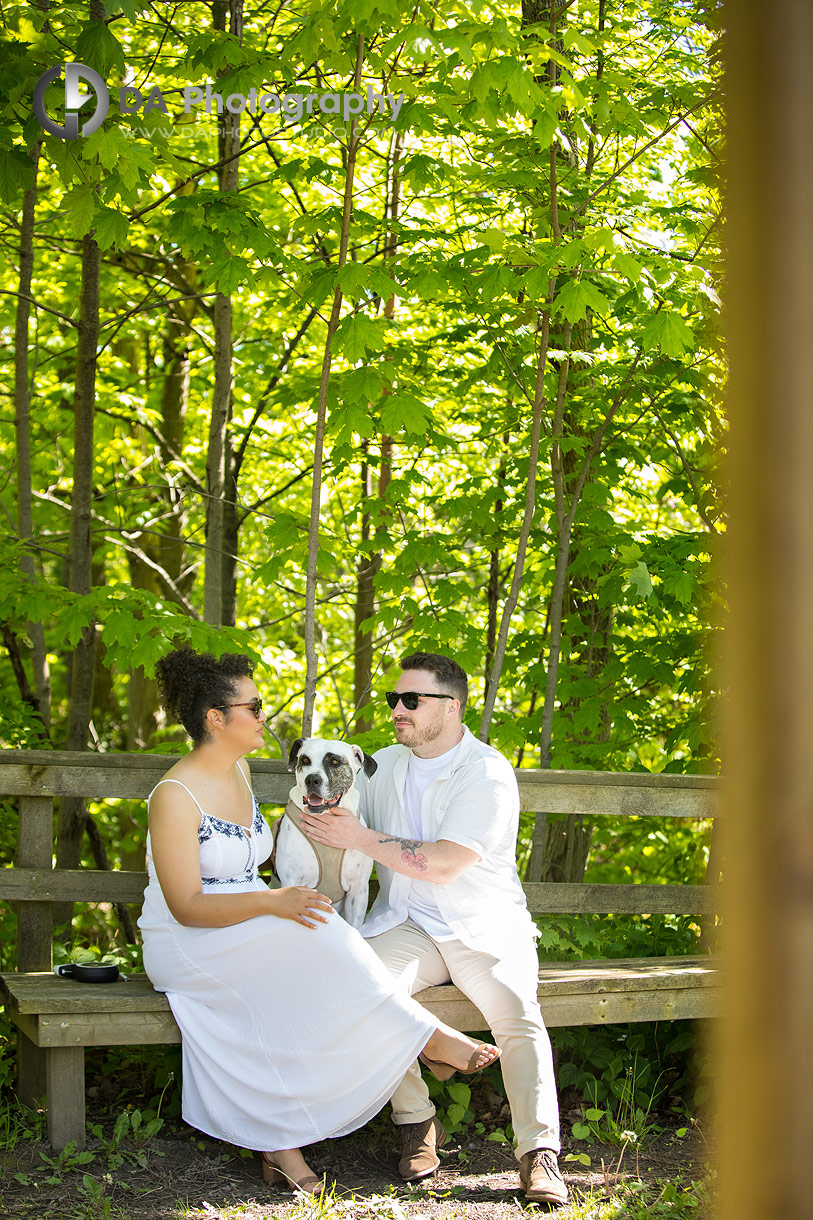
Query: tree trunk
[(494, 589), (311, 659), (22, 420), (80, 563), (229, 144), (370, 564)]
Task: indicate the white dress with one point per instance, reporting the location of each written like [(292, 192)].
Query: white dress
[(289, 1035)]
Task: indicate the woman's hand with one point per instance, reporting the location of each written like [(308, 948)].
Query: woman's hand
[(301, 904)]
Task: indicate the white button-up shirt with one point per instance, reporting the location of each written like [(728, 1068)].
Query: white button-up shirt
[(475, 803)]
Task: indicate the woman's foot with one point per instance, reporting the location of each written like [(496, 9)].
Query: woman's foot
[(288, 1167), (448, 1051)]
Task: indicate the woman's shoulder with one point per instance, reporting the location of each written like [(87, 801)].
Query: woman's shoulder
[(175, 790)]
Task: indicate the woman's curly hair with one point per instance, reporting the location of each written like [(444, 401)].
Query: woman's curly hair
[(191, 682)]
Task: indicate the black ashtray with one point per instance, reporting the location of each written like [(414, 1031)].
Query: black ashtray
[(88, 974)]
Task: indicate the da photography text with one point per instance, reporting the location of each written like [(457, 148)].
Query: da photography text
[(79, 119)]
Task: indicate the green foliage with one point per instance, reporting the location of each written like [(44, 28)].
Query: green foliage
[(536, 182)]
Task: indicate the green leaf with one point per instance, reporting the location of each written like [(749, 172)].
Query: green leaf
[(356, 335), (580, 1131), (669, 331), (16, 173), (98, 48), (111, 228), (109, 144), (403, 412), (639, 580), (682, 586), (627, 266), (459, 1092), (81, 207), (577, 297)]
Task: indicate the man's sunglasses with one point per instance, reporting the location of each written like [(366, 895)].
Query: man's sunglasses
[(410, 698), (256, 706)]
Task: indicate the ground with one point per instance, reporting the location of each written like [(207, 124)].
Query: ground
[(178, 1175)]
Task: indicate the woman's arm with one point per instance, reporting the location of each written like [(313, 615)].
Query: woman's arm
[(174, 821)]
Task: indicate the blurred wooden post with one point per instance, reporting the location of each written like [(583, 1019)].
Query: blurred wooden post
[(766, 1047)]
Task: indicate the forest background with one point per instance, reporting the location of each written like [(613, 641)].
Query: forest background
[(328, 389)]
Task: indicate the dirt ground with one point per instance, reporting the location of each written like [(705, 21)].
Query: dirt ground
[(178, 1175)]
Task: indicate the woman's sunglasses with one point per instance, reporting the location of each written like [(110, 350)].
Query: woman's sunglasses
[(410, 698), (256, 706)]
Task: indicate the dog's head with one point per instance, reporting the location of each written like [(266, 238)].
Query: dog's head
[(326, 770)]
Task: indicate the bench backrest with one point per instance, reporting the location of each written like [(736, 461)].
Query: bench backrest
[(37, 777)]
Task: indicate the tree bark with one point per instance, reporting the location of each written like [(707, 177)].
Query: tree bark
[(80, 561), (22, 422), (370, 564), (311, 660), (229, 144)]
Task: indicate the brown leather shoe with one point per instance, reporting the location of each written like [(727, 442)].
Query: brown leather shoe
[(418, 1155), (541, 1179)]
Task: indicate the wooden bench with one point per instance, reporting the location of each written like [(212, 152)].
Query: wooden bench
[(57, 1018)]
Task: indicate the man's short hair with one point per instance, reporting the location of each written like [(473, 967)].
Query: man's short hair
[(451, 677)]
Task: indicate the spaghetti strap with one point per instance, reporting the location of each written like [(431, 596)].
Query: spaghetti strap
[(245, 777), (180, 785)]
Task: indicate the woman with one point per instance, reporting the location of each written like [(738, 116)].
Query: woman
[(287, 1038)]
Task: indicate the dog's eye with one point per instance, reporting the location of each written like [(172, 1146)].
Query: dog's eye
[(303, 761)]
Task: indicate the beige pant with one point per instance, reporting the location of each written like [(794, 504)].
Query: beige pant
[(505, 991)]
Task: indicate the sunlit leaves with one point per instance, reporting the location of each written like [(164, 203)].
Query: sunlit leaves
[(98, 47), (669, 331), (357, 335), (576, 297)]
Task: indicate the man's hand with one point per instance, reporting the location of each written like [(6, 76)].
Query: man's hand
[(438, 862), (338, 828)]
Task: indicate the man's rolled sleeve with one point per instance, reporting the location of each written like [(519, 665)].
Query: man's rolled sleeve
[(485, 810)]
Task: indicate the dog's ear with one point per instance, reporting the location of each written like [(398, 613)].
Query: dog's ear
[(369, 765), (295, 748)]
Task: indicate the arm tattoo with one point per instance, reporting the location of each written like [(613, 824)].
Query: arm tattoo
[(410, 854)]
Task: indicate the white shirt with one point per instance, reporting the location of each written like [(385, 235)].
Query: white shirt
[(474, 801), (421, 774)]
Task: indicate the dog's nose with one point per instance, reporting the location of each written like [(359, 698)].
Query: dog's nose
[(313, 781)]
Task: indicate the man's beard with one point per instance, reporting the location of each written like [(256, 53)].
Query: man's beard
[(410, 735)]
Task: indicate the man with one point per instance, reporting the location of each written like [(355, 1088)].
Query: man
[(442, 812)]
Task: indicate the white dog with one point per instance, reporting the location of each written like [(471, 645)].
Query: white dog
[(325, 777)]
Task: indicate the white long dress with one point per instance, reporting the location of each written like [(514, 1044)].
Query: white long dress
[(289, 1035)]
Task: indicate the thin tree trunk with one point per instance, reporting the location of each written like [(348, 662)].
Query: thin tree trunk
[(80, 564), (370, 564), (495, 671), (222, 393), (22, 421), (311, 659), (494, 580)]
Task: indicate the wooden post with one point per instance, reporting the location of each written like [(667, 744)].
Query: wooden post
[(35, 849), (766, 1044), (65, 1067)]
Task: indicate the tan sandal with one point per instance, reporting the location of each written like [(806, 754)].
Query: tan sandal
[(444, 1070), (273, 1175)]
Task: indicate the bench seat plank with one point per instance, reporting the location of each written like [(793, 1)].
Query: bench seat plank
[(55, 1012)]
